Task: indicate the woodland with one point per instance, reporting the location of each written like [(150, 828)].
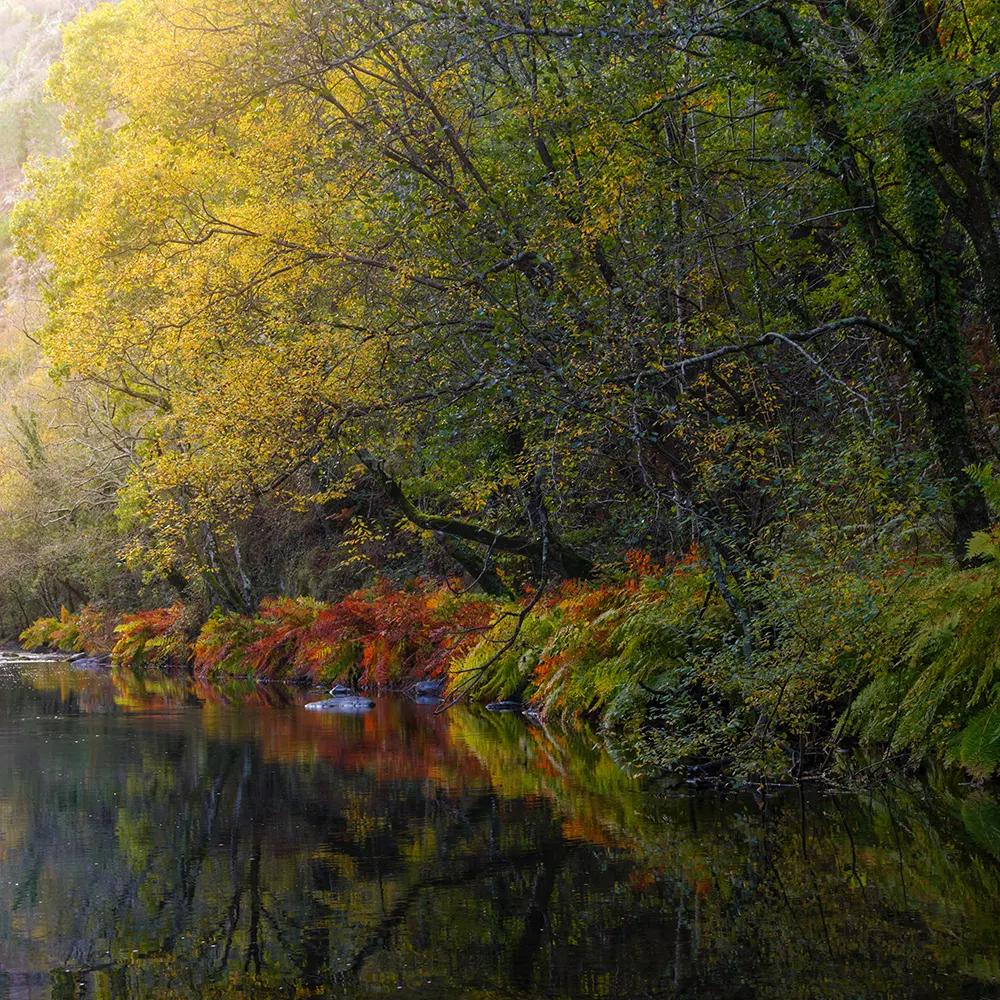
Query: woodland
[(634, 358)]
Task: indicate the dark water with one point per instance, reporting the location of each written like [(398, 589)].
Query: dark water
[(163, 840)]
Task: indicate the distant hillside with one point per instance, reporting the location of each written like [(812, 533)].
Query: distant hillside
[(30, 41)]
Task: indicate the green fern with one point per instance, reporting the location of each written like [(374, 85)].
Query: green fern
[(978, 747), (981, 817), (39, 633), (511, 672), (938, 698)]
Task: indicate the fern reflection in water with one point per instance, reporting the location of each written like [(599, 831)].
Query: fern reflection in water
[(170, 840)]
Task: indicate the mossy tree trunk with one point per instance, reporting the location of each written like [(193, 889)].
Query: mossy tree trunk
[(915, 272)]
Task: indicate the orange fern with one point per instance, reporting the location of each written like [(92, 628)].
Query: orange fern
[(153, 638)]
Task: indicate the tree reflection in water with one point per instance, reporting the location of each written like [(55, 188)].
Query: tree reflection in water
[(164, 839)]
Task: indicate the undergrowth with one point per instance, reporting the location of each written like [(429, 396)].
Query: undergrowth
[(380, 638), (600, 650), (938, 693), (901, 656), (87, 631)]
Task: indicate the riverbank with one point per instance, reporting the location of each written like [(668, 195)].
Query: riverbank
[(898, 657)]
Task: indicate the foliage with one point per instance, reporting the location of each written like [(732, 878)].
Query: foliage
[(58, 633), (89, 631), (221, 641), (594, 650), (379, 638), (343, 295), (938, 693), (154, 638), (933, 679), (527, 316)]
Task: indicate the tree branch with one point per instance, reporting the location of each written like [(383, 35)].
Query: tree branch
[(570, 563)]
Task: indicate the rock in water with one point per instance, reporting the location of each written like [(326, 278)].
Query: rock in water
[(430, 688), (90, 663), (505, 706), (348, 704)]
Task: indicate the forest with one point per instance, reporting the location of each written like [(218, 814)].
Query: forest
[(636, 359)]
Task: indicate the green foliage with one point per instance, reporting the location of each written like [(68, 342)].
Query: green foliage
[(86, 631), (59, 633), (510, 674), (595, 650), (937, 695), (222, 641), (977, 748)]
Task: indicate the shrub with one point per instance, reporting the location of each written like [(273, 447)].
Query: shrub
[(380, 638), (153, 638), (940, 695), (42, 632), (86, 631), (597, 649), (221, 642), (96, 630)]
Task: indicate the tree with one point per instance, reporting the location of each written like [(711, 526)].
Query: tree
[(558, 271)]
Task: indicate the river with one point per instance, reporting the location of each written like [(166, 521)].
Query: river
[(161, 838)]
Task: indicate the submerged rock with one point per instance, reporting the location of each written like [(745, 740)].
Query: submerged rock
[(349, 704), (429, 687), (90, 663), (525, 708)]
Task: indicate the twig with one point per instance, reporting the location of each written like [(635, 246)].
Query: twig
[(466, 685)]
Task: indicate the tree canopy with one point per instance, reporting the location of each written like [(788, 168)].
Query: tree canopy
[(353, 290), (611, 274)]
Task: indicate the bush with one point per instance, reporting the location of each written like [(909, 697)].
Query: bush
[(600, 649), (940, 695), (381, 638), (44, 632), (86, 631), (154, 638)]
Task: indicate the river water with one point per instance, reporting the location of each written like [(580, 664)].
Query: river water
[(163, 839)]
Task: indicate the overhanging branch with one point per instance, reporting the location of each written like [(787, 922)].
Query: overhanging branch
[(801, 337), (568, 562)]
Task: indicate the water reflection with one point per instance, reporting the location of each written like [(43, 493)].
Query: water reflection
[(158, 838)]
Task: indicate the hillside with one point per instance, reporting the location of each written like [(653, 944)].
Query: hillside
[(30, 41)]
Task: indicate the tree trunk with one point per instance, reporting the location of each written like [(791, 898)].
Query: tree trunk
[(926, 317), (941, 357), (568, 562), (953, 443)]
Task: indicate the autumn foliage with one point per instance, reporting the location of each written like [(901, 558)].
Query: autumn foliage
[(154, 638), (87, 631), (384, 637), (379, 638)]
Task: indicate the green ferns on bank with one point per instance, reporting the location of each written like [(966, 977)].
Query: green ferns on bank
[(598, 651), (903, 658), (939, 694), (899, 655)]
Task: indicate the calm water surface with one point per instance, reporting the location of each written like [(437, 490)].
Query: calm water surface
[(160, 839)]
